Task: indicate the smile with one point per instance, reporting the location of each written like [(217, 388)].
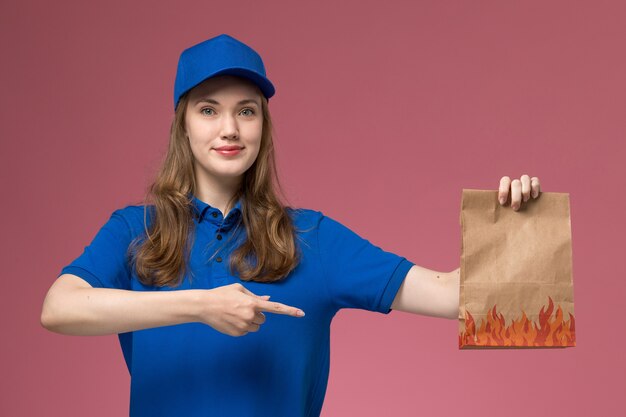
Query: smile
[(228, 152)]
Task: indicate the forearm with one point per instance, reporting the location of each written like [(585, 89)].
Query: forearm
[(102, 311)]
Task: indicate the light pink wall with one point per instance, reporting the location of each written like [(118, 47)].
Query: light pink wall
[(384, 112)]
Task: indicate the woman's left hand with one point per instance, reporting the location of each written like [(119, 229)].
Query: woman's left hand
[(524, 188)]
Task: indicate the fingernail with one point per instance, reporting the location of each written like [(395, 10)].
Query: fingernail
[(300, 313), (501, 200)]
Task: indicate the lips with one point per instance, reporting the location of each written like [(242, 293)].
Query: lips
[(228, 148)]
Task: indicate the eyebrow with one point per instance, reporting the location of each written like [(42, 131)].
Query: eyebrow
[(210, 100)]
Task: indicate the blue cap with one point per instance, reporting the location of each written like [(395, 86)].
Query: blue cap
[(220, 55)]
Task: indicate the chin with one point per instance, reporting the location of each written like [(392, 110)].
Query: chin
[(229, 173)]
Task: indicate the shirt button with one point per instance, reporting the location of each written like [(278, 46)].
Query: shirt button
[(214, 214), (219, 259), (219, 237)]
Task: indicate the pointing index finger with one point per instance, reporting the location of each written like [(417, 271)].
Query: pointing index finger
[(279, 308)]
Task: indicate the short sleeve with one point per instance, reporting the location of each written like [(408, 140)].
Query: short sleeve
[(359, 274), (103, 263)]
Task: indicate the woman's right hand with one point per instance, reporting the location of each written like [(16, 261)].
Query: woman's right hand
[(234, 310)]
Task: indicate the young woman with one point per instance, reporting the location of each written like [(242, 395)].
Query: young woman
[(182, 276)]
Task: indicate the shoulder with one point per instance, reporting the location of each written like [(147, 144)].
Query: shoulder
[(133, 212), (309, 220), (134, 218), (304, 217)]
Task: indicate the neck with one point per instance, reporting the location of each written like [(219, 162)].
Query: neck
[(217, 193)]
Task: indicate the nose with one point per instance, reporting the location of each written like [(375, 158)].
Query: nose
[(230, 130)]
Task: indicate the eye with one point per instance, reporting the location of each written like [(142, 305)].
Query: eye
[(206, 108), (249, 109)]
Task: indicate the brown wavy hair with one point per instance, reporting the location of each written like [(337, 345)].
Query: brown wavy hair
[(268, 253)]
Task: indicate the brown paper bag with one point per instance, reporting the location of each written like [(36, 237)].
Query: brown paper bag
[(516, 272)]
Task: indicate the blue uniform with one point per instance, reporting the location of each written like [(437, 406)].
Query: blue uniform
[(282, 370)]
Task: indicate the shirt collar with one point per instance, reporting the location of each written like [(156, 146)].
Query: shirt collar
[(204, 211)]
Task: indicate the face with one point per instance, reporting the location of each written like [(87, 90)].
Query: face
[(223, 111)]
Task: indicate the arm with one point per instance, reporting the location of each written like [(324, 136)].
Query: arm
[(73, 307), (429, 293)]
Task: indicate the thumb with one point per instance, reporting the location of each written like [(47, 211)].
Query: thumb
[(247, 291)]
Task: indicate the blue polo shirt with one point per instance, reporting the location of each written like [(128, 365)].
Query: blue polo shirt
[(282, 370)]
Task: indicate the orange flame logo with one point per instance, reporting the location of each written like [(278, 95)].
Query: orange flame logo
[(549, 332)]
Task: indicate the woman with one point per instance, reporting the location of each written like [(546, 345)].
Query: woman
[(176, 279)]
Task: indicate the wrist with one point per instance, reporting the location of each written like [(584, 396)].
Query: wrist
[(196, 302)]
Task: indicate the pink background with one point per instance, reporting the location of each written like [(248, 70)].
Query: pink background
[(383, 115)]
